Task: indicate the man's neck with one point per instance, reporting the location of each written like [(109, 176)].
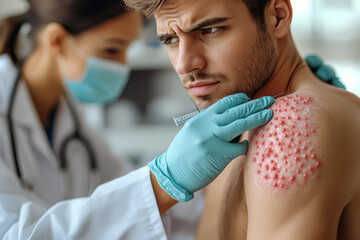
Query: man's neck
[(289, 62)]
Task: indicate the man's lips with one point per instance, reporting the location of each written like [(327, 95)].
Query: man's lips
[(202, 88)]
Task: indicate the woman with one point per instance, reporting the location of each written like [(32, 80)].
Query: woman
[(50, 160)]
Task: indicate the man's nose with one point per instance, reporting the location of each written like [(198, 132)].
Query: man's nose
[(190, 57)]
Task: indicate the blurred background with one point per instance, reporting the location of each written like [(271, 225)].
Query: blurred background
[(139, 126)]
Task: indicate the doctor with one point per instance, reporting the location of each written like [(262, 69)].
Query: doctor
[(50, 161)]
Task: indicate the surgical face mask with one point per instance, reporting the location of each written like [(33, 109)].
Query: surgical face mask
[(102, 82)]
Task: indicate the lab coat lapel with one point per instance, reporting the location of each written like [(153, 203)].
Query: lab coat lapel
[(8, 74), (24, 115)]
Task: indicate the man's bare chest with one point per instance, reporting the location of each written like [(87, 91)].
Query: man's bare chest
[(234, 214)]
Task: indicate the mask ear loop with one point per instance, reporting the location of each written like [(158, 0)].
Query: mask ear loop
[(77, 48), (62, 62)]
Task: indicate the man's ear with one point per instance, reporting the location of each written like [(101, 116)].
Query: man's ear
[(54, 38), (278, 14)]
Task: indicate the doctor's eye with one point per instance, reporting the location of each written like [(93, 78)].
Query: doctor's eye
[(112, 51), (211, 30)]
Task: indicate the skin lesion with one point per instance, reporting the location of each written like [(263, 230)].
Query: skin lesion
[(282, 152)]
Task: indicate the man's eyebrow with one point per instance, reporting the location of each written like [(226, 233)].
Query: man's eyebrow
[(198, 26), (206, 23)]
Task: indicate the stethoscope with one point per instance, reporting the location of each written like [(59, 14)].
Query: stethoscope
[(76, 135)]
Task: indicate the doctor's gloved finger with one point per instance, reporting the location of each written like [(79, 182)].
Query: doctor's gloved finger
[(238, 127), (337, 83), (237, 149), (325, 73), (245, 110), (314, 61), (228, 102)]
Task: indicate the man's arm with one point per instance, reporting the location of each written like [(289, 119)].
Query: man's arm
[(295, 176)]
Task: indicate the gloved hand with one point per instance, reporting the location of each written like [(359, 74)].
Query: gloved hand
[(202, 148), (323, 72)]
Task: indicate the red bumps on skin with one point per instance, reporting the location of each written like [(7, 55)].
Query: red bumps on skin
[(285, 145)]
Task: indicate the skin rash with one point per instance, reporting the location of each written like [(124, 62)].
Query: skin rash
[(282, 150)]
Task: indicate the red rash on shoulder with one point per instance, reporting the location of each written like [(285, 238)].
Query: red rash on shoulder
[(282, 150)]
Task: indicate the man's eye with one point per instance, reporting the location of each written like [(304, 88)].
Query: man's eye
[(171, 40), (210, 30)]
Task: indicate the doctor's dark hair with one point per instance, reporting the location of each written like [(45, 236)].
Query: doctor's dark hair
[(75, 16), (148, 7)]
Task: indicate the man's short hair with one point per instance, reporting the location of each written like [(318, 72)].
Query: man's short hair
[(256, 9), (148, 7)]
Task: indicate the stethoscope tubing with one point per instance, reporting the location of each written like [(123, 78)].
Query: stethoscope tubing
[(11, 129), (63, 161), (76, 135)]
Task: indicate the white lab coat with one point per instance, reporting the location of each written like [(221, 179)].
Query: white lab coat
[(124, 208)]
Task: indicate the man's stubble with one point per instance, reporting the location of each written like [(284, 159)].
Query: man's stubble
[(255, 71)]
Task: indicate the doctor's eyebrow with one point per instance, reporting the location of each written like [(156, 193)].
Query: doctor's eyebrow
[(198, 26), (118, 41)]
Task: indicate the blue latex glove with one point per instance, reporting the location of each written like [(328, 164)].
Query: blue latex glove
[(323, 72), (202, 148)]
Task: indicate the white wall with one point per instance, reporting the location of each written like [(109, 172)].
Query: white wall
[(9, 7), (331, 29)]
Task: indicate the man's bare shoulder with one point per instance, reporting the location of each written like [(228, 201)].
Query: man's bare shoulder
[(284, 151), (337, 114), (337, 102), (308, 129), (298, 172)]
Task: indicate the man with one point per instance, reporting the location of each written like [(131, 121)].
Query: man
[(300, 178)]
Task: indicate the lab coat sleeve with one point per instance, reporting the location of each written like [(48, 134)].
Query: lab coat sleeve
[(124, 208)]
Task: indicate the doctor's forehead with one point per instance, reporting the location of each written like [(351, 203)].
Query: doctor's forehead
[(184, 14)]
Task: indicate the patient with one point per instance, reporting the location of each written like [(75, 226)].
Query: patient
[(301, 176)]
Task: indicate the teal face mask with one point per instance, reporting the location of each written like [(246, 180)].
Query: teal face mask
[(103, 81)]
